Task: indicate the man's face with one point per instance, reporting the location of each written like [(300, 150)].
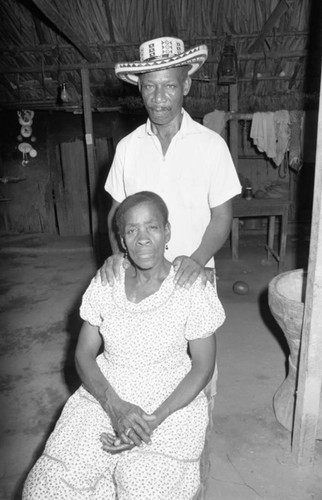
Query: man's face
[(163, 92)]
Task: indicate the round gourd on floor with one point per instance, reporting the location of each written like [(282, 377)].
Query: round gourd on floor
[(240, 287)]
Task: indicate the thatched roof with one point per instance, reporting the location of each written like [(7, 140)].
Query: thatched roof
[(44, 43)]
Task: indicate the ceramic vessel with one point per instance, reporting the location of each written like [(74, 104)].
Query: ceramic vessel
[(286, 302)]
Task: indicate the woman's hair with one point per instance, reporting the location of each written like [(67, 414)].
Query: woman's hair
[(137, 199)]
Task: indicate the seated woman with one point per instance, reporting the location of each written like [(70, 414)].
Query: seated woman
[(136, 426)]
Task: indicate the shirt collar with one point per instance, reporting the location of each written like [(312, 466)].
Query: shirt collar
[(187, 126)]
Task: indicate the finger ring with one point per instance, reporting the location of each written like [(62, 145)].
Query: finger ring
[(127, 432)]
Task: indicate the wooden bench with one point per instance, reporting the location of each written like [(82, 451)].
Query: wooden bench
[(266, 207)]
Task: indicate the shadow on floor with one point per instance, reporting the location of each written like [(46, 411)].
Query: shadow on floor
[(271, 324)]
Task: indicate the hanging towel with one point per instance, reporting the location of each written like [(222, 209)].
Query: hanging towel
[(296, 143), (283, 132), (263, 133), (216, 120)]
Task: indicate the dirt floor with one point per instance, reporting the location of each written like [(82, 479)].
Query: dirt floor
[(248, 453)]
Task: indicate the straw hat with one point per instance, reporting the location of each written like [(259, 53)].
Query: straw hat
[(162, 53)]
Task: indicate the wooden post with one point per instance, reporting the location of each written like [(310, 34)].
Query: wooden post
[(310, 367), (233, 124), (233, 146), (89, 140)]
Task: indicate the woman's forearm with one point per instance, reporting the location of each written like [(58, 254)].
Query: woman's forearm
[(123, 414), (95, 382), (203, 359), (190, 386)]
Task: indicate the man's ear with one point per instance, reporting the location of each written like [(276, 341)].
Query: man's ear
[(186, 86), (139, 85)]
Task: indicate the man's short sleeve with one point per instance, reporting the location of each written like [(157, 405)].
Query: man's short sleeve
[(224, 179), (206, 313), (90, 309), (114, 184)]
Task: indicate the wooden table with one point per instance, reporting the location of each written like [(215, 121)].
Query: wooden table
[(266, 207)]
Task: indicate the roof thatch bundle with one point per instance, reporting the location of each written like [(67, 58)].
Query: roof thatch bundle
[(44, 43)]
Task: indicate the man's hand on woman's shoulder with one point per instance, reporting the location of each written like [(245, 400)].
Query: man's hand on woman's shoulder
[(111, 269), (187, 271)]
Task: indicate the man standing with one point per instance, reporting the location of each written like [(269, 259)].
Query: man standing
[(187, 164)]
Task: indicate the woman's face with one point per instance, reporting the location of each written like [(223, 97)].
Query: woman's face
[(145, 235)]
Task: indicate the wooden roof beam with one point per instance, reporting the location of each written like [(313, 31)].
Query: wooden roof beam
[(277, 13), (109, 65), (47, 47), (62, 25), (106, 6)]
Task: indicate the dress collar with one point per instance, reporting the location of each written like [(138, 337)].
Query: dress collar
[(154, 301)]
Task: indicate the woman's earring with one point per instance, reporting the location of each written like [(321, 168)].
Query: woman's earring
[(125, 255), (166, 247)]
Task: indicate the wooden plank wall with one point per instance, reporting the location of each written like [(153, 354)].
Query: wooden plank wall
[(50, 193), (71, 189), (27, 205), (70, 185), (104, 157)]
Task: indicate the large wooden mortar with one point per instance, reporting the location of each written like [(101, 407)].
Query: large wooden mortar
[(286, 302)]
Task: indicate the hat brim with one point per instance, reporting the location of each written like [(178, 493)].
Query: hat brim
[(194, 58)]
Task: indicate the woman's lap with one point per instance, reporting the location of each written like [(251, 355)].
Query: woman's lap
[(73, 451), (136, 476), (48, 480), (74, 466), (155, 477)]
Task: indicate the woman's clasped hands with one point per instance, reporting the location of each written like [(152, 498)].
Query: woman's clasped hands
[(131, 425)]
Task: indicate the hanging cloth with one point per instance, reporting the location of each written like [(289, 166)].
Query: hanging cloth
[(283, 132), (296, 146), (263, 133), (216, 121)]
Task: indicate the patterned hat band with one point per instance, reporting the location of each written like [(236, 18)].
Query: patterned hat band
[(156, 58), (161, 47), (162, 53)]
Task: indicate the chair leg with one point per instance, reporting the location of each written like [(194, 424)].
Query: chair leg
[(271, 234), (235, 238), (283, 240)]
